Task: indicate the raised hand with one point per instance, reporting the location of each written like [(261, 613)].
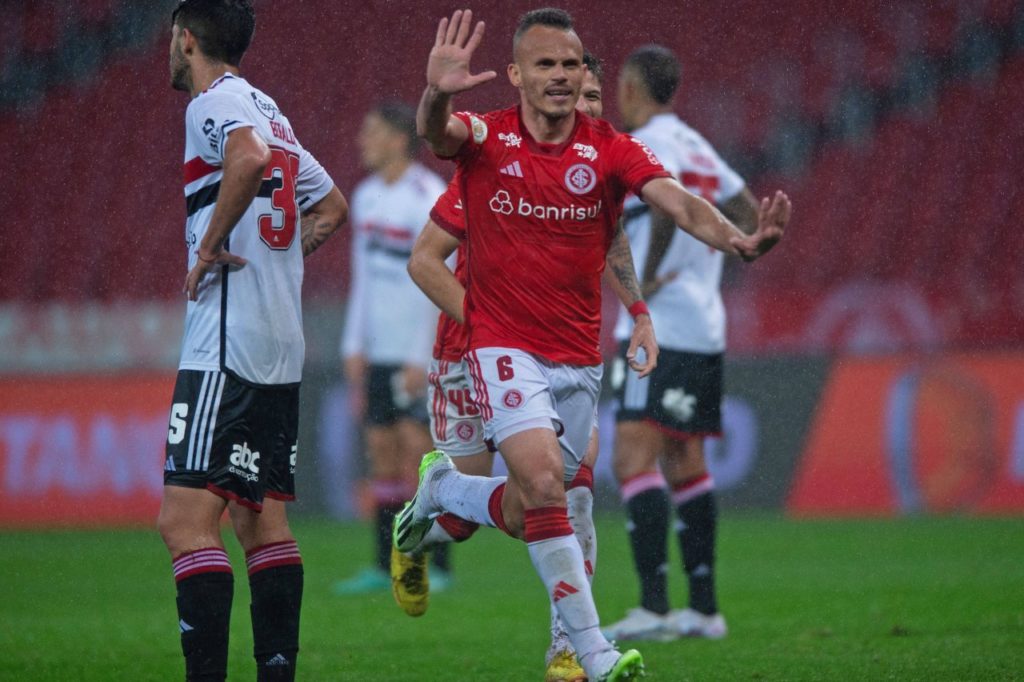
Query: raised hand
[(772, 217), (448, 65)]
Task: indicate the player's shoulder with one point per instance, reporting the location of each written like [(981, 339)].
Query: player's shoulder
[(424, 180)]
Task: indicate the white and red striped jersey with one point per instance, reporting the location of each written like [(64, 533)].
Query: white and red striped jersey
[(388, 319), (248, 321), (687, 313)]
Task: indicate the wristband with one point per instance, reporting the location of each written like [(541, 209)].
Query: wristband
[(638, 308)]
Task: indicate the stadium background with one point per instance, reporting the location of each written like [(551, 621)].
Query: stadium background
[(876, 358)]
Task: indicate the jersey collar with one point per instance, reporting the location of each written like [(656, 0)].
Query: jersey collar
[(540, 147)]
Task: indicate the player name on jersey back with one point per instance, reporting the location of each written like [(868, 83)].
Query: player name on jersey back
[(248, 320)]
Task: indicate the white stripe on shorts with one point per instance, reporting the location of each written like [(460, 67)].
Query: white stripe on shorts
[(634, 397), (214, 411), (197, 418)]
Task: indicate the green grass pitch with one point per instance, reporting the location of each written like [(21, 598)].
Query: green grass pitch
[(918, 599)]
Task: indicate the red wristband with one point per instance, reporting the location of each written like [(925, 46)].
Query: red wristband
[(638, 308)]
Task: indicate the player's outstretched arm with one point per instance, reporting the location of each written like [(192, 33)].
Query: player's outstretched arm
[(322, 220), (428, 269), (246, 156), (621, 276), (448, 73), (706, 223)]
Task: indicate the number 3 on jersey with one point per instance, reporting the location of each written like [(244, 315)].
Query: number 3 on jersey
[(278, 227)]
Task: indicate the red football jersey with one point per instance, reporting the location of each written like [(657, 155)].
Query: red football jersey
[(450, 343), (539, 220)]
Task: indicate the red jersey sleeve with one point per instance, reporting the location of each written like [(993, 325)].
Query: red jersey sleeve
[(448, 213), (636, 164), (478, 131)]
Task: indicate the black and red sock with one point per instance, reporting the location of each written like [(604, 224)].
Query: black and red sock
[(275, 581), (695, 504), (646, 500), (205, 586)]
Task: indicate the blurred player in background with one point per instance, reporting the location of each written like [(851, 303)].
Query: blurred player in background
[(666, 418), (234, 421), (537, 237), (386, 344), (456, 425)]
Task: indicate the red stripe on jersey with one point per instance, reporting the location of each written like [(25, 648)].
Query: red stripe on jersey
[(197, 168)]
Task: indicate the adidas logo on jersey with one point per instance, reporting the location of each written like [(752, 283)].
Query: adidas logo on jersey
[(513, 169)]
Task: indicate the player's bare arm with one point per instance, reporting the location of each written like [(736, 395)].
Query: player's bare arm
[(742, 211), (704, 222), (621, 276), (246, 156), (448, 73), (322, 220), (428, 269), (662, 230)]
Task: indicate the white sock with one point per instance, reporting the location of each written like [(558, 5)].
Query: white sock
[(467, 497), (559, 563), (437, 535), (581, 518)]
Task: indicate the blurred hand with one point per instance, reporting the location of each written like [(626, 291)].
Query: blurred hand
[(772, 218), (649, 289), (643, 337)]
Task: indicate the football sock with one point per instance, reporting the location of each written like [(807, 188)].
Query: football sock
[(647, 506), (275, 581), (205, 587), (580, 499), (389, 497), (558, 560), (454, 528), (439, 557), (698, 515), (471, 497)]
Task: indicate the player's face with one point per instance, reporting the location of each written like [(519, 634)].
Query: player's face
[(181, 76), (548, 70), (626, 96), (590, 101), (379, 143)]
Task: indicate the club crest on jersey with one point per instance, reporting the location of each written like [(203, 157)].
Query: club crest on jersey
[(580, 178), (479, 129), (465, 431), (510, 139), (266, 107), (585, 151), (512, 399)]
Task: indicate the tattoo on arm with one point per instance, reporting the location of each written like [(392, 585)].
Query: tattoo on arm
[(620, 261), (315, 231)]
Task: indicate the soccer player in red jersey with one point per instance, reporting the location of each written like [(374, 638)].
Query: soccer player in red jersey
[(456, 425), (538, 181)]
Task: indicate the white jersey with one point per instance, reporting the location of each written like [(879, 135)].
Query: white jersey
[(687, 313), (248, 321), (389, 320)]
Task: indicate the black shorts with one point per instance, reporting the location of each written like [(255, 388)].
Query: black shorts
[(237, 440), (682, 397), (386, 402)]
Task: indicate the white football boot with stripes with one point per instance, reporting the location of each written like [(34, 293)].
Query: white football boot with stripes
[(416, 518)]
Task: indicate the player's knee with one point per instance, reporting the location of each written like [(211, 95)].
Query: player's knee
[(544, 489)]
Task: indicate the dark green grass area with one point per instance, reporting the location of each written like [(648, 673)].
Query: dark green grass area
[(919, 599)]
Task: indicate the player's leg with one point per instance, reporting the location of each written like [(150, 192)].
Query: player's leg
[(189, 523), (693, 497), (414, 439), (638, 445), (272, 555), (389, 478), (207, 463)]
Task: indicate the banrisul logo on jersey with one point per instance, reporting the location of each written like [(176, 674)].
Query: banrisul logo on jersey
[(504, 204)]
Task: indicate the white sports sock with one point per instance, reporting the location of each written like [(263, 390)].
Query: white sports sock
[(437, 535), (467, 497), (559, 562), (581, 518)]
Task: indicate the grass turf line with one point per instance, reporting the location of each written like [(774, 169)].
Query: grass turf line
[(917, 599)]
